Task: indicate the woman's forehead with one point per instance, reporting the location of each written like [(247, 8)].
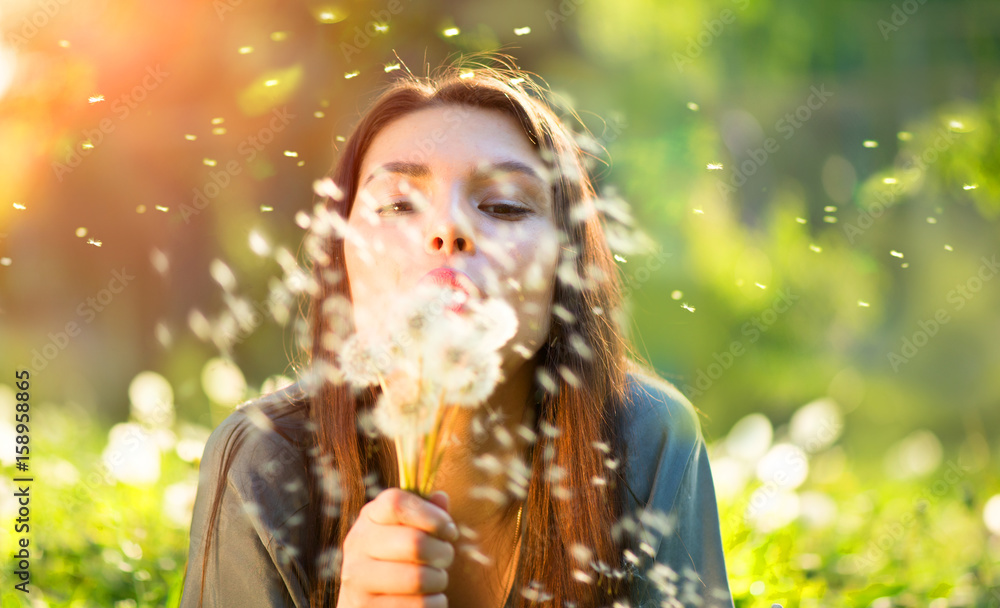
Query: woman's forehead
[(473, 142)]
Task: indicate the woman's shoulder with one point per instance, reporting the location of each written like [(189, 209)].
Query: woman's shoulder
[(265, 441), (660, 427)]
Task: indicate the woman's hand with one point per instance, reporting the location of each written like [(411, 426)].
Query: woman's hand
[(398, 551)]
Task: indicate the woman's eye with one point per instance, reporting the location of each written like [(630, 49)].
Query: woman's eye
[(395, 207), (506, 209)]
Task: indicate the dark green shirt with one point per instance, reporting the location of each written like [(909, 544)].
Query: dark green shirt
[(254, 558)]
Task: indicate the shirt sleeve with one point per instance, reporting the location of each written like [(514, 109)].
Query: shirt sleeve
[(252, 560), (680, 519)]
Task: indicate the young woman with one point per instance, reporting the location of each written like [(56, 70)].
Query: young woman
[(470, 176)]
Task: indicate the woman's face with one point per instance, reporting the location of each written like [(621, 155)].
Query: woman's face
[(461, 188)]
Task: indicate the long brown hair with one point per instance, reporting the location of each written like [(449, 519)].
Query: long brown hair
[(582, 367)]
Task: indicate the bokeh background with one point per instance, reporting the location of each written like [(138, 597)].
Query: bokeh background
[(821, 182)]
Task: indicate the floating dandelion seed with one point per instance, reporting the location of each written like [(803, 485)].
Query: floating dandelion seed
[(301, 163), (468, 74), (870, 143), (830, 208), (302, 220), (19, 206), (904, 265), (676, 294), (319, 114), (889, 180), (96, 98), (349, 75), (895, 253), (620, 258), (279, 36), (291, 154), (5, 261), (245, 50), (81, 232), (761, 286), (327, 16), (162, 208), (64, 44), (140, 209), (686, 307), (340, 138), (522, 31), (222, 274), (956, 124), (209, 162), (516, 80), (948, 248), (87, 145), (904, 136), (451, 31), (94, 243), (266, 208), (159, 260), (863, 304), (327, 188), (391, 67), (800, 220), (693, 106), (714, 166), (218, 120), (271, 82), (699, 211), (815, 248), (970, 186), (190, 137), (258, 244), (381, 28), (830, 219), (931, 220), (219, 131)]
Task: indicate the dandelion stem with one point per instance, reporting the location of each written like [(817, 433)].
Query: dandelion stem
[(430, 447)]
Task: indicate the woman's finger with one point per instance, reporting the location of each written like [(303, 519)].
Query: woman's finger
[(393, 507), (408, 544), (394, 578)]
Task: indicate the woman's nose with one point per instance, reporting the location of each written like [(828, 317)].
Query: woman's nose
[(449, 233)]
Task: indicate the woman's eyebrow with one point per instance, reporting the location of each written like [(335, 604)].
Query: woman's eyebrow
[(490, 170), (408, 169)]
